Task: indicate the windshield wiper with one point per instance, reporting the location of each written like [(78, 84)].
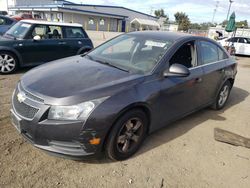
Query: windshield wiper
[(106, 63)]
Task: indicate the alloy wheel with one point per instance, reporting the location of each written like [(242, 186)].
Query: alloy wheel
[(7, 63), (223, 95), (129, 135)]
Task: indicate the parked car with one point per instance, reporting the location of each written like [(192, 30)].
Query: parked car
[(3, 12), (23, 16), (5, 24), (33, 42), (241, 44), (112, 97)]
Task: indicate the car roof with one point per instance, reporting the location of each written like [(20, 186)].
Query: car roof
[(162, 35), (6, 17), (51, 23)]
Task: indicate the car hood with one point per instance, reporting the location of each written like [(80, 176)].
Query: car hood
[(76, 79)]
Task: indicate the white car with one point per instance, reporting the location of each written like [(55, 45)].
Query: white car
[(241, 44)]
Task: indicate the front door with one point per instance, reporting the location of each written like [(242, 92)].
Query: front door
[(51, 45), (181, 95)]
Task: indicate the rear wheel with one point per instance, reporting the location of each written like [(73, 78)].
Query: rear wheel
[(8, 63), (222, 96), (127, 135)]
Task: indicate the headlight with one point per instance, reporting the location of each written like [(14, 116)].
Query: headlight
[(76, 112)]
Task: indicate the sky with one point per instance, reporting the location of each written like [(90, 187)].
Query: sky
[(197, 10)]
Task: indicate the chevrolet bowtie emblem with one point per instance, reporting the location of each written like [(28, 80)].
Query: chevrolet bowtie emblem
[(21, 97)]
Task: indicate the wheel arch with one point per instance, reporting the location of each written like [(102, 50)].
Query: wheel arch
[(138, 105), (13, 51)]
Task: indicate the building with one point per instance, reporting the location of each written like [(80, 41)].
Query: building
[(92, 17)]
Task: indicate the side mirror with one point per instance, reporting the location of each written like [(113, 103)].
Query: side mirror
[(177, 70), (36, 38)]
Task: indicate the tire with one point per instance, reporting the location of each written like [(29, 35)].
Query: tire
[(127, 135), (8, 62), (222, 96)]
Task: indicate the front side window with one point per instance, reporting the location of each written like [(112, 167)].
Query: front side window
[(74, 32), (185, 55), (18, 31), (132, 53), (39, 30)]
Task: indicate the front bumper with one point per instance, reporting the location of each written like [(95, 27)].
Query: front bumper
[(66, 138)]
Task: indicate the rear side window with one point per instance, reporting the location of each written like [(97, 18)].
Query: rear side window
[(222, 54), (211, 53), (74, 32)]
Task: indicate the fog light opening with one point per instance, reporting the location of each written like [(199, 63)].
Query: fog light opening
[(95, 141)]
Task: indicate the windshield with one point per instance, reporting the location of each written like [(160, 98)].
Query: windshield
[(132, 53), (18, 31)]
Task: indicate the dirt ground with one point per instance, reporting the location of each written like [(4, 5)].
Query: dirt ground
[(184, 154)]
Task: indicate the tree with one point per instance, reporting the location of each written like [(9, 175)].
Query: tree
[(182, 20), (160, 13), (242, 24)]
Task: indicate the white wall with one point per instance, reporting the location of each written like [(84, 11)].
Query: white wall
[(98, 37), (3, 5)]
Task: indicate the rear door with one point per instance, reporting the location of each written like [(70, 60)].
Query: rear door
[(76, 40), (213, 62)]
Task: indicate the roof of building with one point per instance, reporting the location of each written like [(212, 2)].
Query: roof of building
[(51, 23), (92, 12), (108, 6), (145, 22)]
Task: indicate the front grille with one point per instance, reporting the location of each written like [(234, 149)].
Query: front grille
[(23, 109), (31, 96)]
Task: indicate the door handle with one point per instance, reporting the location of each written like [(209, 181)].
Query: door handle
[(61, 43), (198, 80)]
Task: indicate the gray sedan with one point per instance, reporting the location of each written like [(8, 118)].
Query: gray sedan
[(111, 98)]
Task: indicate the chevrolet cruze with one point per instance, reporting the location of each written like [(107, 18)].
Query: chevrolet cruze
[(109, 99)]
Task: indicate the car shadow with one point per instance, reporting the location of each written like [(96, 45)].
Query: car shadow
[(182, 126)]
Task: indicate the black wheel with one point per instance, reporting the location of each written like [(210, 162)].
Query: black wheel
[(127, 135), (222, 96), (8, 63)]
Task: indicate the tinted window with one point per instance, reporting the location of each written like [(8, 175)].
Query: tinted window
[(242, 40), (74, 32), (209, 52), (248, 40), (233, 39)]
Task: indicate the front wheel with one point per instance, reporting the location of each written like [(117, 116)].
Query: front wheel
[(8, 63), (127, 135), (222, 96)]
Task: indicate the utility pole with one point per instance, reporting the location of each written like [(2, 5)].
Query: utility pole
[(230, 3), (215, 10)]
